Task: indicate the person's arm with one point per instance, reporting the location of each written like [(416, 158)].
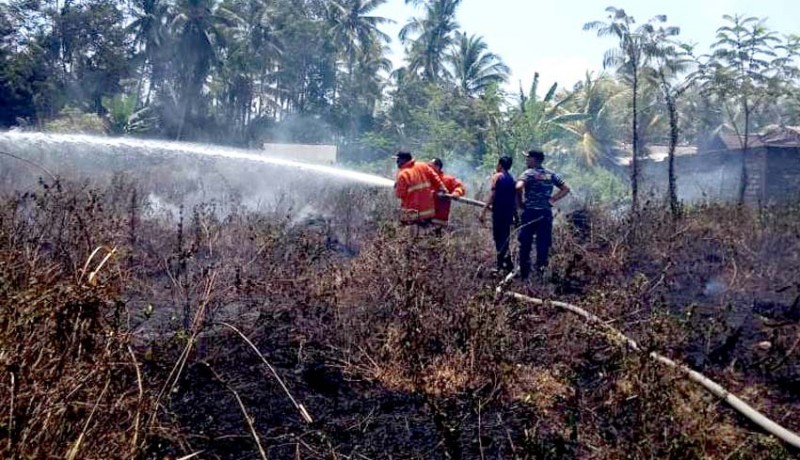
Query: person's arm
[(458, 188), (489, 204), (563, 189), (561, 193), (401, 186), (520, 194), (490, 201)]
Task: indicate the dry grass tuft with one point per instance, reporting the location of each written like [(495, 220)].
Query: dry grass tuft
[(398, 347)]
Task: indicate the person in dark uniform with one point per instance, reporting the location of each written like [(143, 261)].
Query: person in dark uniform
[(535, 196), (502, 202)]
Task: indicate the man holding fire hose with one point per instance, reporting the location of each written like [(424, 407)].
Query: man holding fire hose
[(455, 188), (416, 186)]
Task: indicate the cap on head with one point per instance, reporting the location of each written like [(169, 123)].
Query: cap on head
[(402, 156), (536, 154), (505, 162), (437, 162)]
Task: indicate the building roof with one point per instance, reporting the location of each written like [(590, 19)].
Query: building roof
[(782, 136), (772, 136), (656, 153), (733, 141)]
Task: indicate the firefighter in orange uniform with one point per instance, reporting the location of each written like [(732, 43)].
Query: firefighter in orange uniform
[(416, 186), (454, 187)]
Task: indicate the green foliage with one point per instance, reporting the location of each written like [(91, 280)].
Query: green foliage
[(475, 69), (594, 139), (251, 71), (745, 73), (434, 34), (125, 117), (542, 122), (592, 185), (71, 121)]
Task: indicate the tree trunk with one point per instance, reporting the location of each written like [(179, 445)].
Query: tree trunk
[(140, 85), (744, 176), (673, 141), (635, 158)]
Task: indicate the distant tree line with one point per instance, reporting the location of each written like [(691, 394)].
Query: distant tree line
[(244, 72)]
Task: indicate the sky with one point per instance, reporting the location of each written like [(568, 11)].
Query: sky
[(547, 36)]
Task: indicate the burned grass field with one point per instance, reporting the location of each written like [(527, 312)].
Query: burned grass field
[(118, 324)]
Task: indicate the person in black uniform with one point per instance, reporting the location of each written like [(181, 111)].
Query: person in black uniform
[(502, 202)]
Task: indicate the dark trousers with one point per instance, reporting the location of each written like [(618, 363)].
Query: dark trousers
[(539, 223), (501, 231)]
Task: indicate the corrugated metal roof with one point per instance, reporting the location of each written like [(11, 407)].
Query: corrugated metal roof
[(656, 153), (783, 136), (776, 137), (733, 141)]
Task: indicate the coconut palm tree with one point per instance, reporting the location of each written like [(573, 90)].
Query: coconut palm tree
[(372, 64), (598, 98), (427, 52), (356, 32), (670, 60), (198, 31), (474, 67), (355, 29), (150, 34), (253, 50)]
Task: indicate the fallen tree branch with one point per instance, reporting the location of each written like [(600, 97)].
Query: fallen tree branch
[(718, 390)]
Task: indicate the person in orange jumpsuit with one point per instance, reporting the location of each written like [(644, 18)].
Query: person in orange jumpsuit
[(454, 188), (416, 186)]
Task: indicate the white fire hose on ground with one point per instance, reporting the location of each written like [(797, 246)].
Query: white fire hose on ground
[(718, 390)]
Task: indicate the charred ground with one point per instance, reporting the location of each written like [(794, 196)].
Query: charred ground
[(396, 347)]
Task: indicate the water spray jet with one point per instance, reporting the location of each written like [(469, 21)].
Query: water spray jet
[(19, 140)]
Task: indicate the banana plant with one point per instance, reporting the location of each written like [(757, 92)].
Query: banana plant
[(544, 122)]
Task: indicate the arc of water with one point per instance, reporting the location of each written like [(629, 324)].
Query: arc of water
[(190, 148)]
